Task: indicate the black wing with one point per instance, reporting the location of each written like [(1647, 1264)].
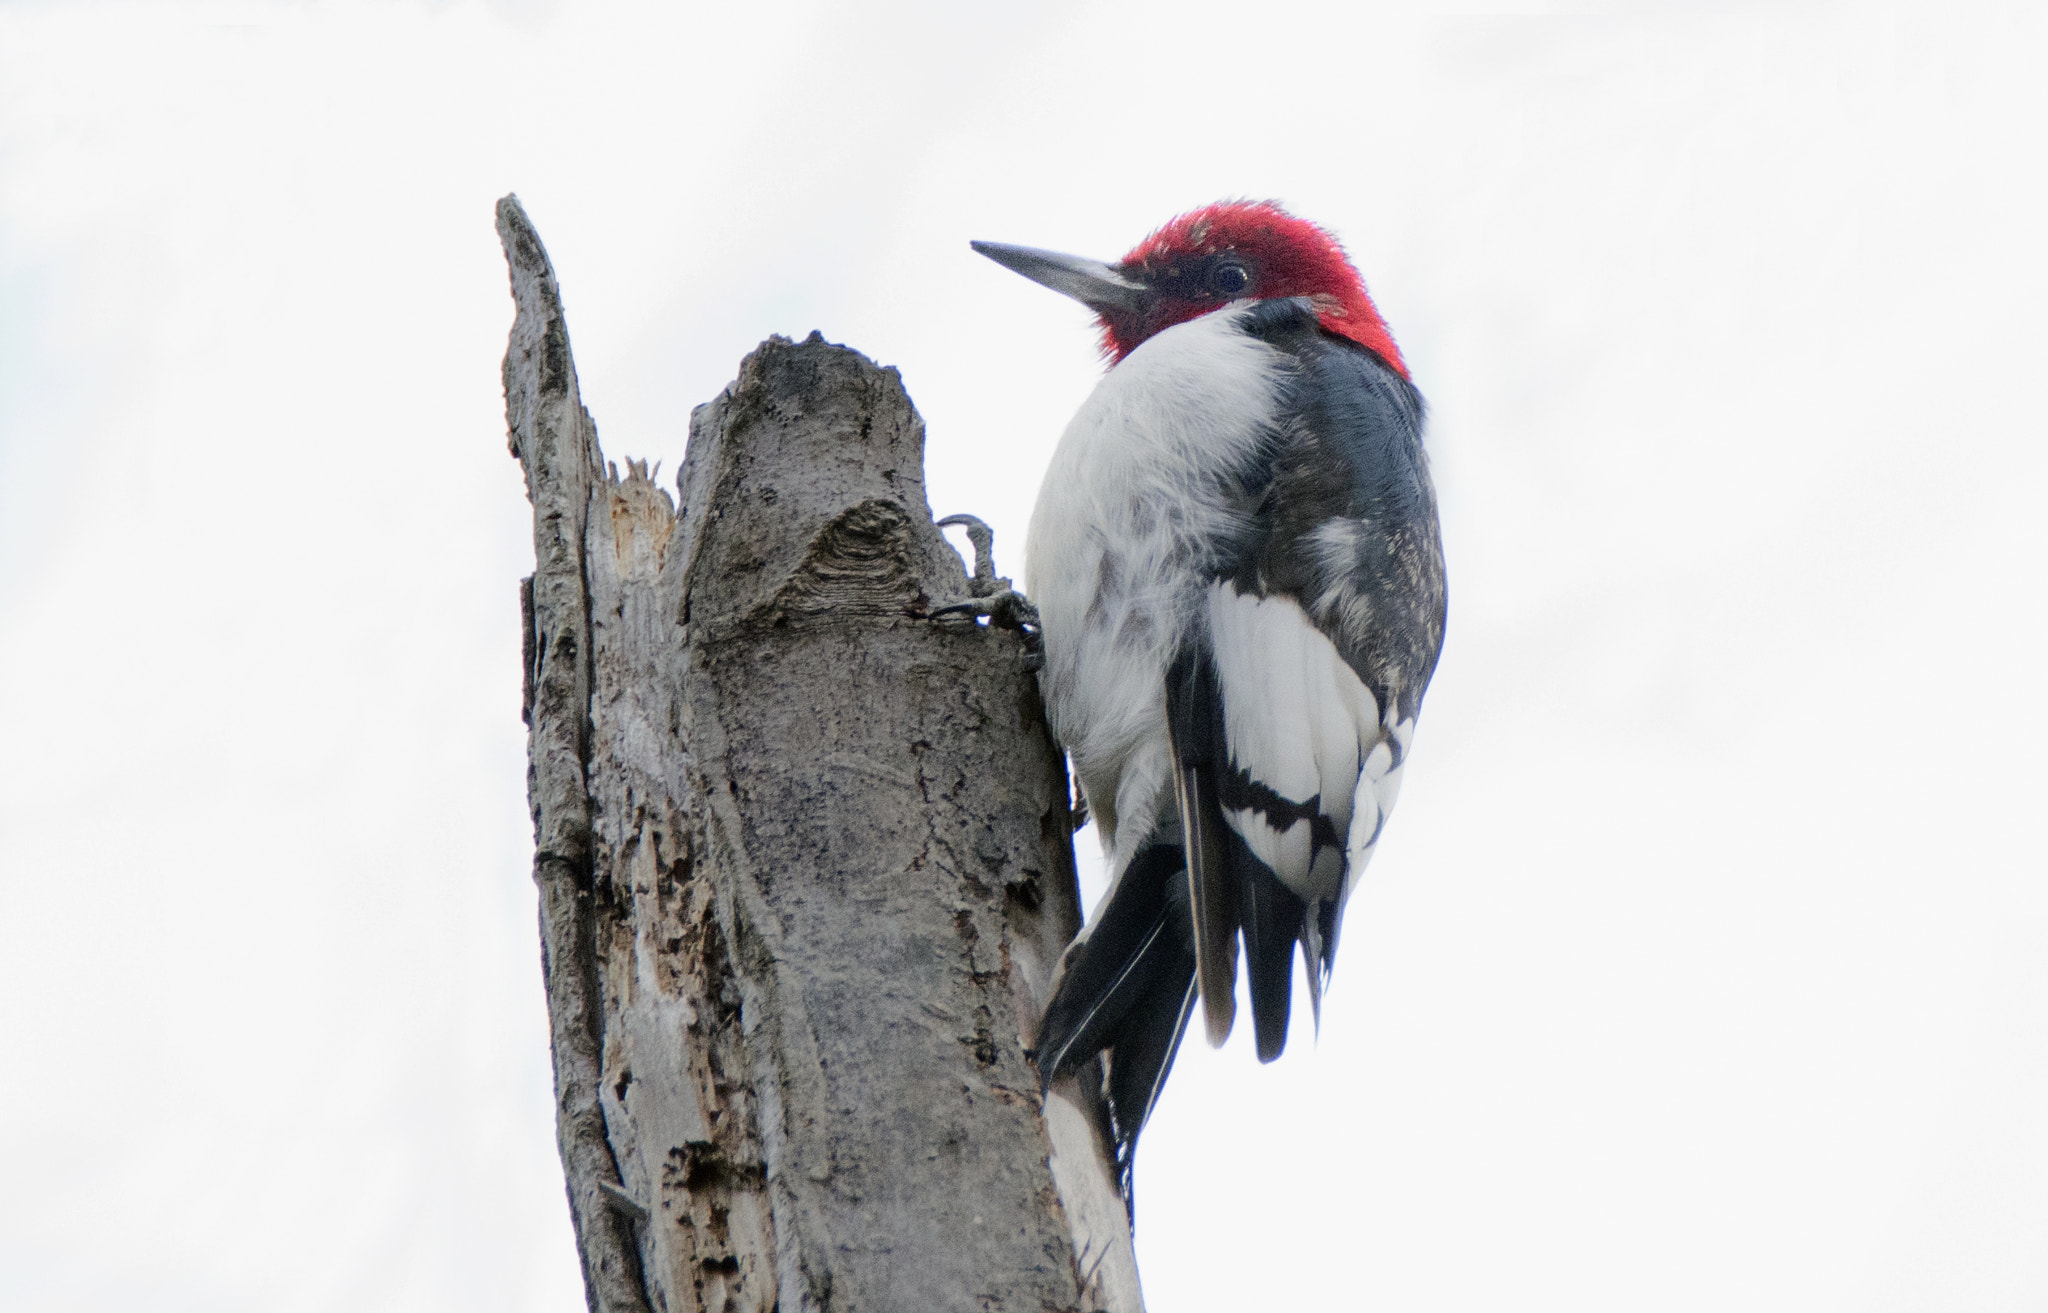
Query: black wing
[(1292, 710)]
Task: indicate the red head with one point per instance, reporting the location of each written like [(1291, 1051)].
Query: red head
[(1203, 261), (1195, 261)]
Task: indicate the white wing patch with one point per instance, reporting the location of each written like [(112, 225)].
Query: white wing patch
[(1286, 851), (1300, 722), (1379, 783)]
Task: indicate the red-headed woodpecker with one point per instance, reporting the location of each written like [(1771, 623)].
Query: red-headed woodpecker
[(1240, 587)]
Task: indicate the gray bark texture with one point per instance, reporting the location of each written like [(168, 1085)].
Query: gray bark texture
[(804, 863)]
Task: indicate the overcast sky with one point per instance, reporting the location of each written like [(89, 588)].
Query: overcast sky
[(1704, 965)]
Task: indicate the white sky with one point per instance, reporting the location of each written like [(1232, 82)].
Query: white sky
[(1703, 965)]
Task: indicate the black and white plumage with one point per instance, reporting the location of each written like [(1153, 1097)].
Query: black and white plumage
[(1237, 570)]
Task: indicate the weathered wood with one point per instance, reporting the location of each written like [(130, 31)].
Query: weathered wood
[(804, 863)]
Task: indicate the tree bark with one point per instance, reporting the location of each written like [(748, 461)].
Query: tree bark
[(804, 861)]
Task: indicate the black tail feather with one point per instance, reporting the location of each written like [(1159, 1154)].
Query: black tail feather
[(1195, 731), (1135, 942), (1141, 1055), (1272, 915), (1128, 989), (1329, 916)]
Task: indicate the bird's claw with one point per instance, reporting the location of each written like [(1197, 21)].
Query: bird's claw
[(983, 538), (993, 597), (1006, 608)]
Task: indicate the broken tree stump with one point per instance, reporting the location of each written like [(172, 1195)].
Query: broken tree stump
[(804, 863)]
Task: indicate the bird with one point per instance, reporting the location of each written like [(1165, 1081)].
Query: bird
[(1237, 581)]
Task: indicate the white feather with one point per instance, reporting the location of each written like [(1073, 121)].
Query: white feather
[(1287, 851), (1379, 783), (1296, 719), (1118, 556)]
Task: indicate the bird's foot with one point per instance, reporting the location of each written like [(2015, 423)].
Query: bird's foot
[(1006, 609), (992, 596)]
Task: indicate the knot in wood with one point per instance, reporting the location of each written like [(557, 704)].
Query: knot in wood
[(862, 563)]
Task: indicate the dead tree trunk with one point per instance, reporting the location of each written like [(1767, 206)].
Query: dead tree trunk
[(803, 859)]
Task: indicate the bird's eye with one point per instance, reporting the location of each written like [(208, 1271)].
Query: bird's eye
[(1228, 278)]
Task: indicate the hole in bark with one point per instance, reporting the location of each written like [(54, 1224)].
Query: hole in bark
[(1025, 893)]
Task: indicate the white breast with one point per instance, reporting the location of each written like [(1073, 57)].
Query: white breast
[(1120, 542)]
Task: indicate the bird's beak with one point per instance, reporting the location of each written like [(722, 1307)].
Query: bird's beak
[(1091, 282)]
